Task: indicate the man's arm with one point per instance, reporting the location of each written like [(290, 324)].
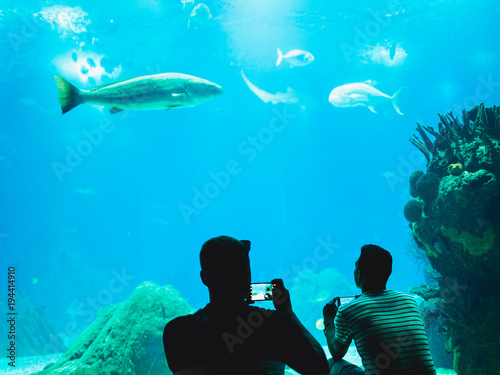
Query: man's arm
[(337, 349)]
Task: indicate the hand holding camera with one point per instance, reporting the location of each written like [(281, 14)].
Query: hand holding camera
[(274, 291)]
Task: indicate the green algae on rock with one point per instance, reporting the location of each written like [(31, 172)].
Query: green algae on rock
[(125, 338)]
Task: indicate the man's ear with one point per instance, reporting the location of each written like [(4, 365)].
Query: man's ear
[(203, 278)]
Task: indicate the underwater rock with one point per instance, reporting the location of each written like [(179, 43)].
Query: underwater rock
[(35, 336), (413, 210), (125, 338), (460, 234), (413, 182), (427, 187)]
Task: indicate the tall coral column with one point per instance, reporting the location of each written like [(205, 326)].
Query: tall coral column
[(455, 219)]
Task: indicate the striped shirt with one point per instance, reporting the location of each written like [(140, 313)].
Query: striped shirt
[(388, 331)]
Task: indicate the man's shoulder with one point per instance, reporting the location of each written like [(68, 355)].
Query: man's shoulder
[(402, 296), (181, 323), (206, 314)]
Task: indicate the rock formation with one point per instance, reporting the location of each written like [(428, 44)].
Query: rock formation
[(455, 219), (125, 338)]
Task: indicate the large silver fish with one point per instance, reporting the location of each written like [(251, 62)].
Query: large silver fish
[(159, 91), (361, 94)]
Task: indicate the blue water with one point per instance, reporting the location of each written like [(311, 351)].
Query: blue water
[(335, 174)]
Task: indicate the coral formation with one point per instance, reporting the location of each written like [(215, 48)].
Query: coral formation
[(125, 338), (455, 169), (415, 176), (427, 187), (460, 231), (413, 210)]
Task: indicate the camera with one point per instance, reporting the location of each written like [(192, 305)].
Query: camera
[(261, 292)]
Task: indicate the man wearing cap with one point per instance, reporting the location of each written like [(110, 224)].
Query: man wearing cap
[(228, 336)]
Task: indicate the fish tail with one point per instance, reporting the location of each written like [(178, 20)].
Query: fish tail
[(394, 100), (280, 57), (68, 95)]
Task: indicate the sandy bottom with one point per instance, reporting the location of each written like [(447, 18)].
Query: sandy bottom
[(28, 365)]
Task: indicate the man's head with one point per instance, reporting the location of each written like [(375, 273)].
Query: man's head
[(225, 268), (373, 268)]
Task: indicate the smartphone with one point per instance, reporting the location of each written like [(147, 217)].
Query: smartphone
[(344, 300), (261, 292)]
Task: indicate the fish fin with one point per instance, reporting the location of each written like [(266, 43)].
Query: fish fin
[(95, 88), (394, 100), (67, 94), (179, 93), (372, 109), (280, 57), (114, 110)]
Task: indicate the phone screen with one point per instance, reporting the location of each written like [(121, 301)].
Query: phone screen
[(344, 300), (261, 292)]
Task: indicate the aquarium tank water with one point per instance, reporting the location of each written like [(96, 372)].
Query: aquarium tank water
[(132, 132)]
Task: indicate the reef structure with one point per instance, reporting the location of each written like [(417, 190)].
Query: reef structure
[(126, 338), (455, 218)]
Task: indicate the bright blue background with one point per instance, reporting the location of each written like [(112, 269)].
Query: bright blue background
[(338, 172)]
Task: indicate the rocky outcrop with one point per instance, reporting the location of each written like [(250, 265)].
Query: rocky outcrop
[(459, 229), (125, 338)]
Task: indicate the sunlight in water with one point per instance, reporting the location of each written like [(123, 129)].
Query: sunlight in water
[(67, 20)]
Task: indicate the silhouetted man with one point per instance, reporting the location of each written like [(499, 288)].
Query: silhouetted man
[(230, 337), (385, 325)]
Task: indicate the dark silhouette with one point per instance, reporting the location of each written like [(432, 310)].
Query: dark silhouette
[(385, 324), (230, 337)]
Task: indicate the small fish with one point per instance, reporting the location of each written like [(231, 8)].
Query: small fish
[(200, 14), (392, 51), (158, 221), (320, 324), (91, 62), (159, 91), (280, 97), (361, 94), (295, 57)]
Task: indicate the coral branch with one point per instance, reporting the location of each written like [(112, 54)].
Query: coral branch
[(441, 139), (428, 143), (449, 128), (418, 144)]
